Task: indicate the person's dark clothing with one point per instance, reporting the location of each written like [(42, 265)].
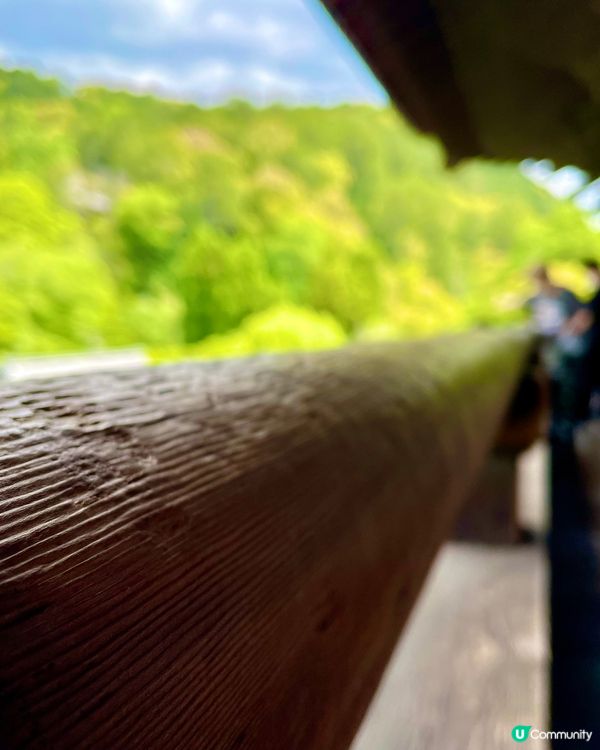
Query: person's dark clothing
[(550, 312), (565, 356)]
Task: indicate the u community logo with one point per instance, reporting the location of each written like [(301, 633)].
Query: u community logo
[(520, 733), (524, 732)]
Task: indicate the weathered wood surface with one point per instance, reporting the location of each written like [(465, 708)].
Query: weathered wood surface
[(222, 555), (474, 658), (404, 45), (477, 73)]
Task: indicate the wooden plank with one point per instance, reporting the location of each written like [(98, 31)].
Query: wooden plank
[(473, 661), (222, 556)]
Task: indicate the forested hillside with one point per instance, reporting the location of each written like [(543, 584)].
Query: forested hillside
[(128, 219)]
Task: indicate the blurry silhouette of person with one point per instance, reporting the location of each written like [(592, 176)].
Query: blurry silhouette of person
[(563, 324), (552, 308)]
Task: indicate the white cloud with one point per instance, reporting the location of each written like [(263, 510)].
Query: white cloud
[(207, 51), (269, 35), (156, 22), (273, 84), (207, 76), (160, 11), (207, 81), (174, 10), (150, 21)]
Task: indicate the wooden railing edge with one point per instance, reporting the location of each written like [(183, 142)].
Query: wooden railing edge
[(223, 555)]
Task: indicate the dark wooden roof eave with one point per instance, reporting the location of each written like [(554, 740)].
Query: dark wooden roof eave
[(505, 79), (405, 48)]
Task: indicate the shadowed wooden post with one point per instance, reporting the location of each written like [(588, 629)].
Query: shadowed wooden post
[(223, 555), (490, 514)]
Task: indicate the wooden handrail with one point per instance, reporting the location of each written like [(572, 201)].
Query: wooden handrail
[(223, 555)]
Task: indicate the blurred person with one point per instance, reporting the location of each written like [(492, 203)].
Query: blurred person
[(563, 324), (552, 306)]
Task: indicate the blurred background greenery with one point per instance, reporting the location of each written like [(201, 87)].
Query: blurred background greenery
[(128, 219)]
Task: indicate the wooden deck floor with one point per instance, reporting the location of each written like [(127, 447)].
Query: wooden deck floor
[(473, 661)]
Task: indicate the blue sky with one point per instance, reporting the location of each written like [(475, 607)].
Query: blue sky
[(204, 50)]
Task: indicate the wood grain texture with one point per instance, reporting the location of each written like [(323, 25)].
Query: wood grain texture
[(222, 555)]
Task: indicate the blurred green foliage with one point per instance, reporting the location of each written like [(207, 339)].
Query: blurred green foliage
[(205, 232), (280, 328)]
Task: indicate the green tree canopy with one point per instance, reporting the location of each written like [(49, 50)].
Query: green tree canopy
[(128, 219)]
